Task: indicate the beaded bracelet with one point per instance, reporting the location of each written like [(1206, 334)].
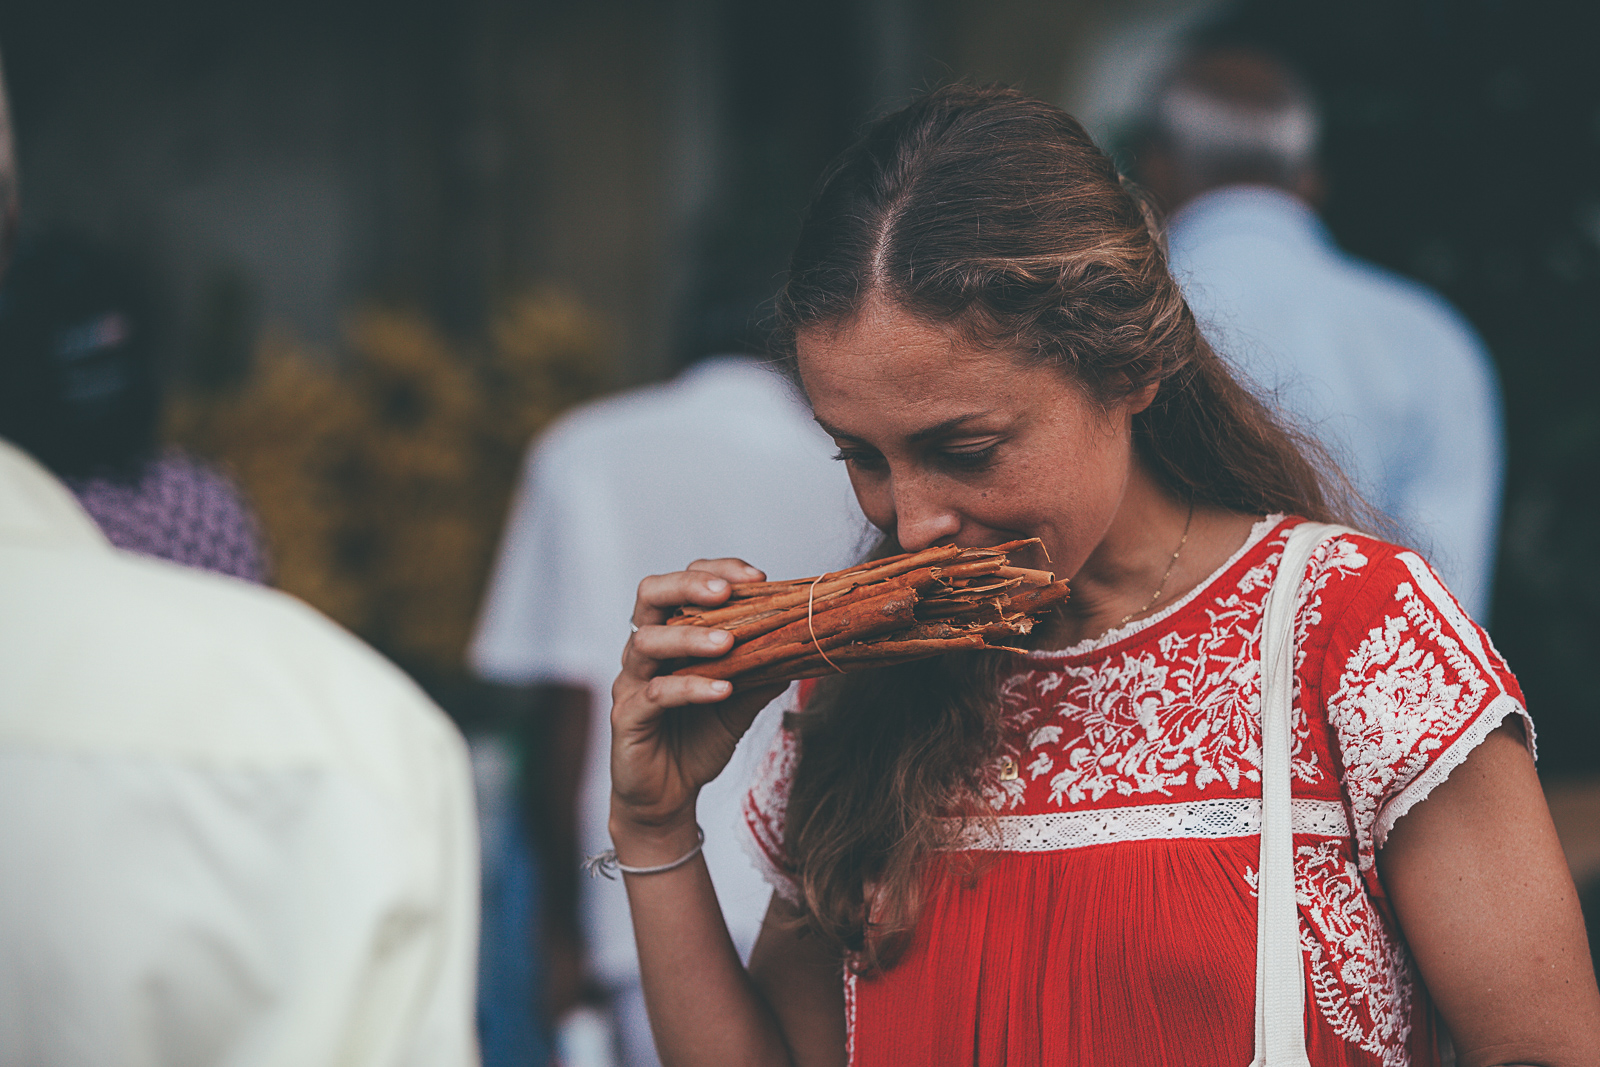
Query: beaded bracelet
[(604, 863)]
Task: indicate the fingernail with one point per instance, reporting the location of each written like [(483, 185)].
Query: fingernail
[(721, 687), (720, 637), (716, 585)]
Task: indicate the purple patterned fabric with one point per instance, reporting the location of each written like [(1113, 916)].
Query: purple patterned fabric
[(179, 509)]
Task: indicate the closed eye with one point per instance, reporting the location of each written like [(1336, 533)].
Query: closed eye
[(966, 459)]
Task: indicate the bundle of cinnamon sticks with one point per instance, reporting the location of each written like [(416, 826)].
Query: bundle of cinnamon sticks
[(888, 611)]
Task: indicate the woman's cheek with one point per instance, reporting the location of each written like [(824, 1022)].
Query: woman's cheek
[(872, 493)]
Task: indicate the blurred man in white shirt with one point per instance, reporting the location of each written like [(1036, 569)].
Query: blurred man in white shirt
[(1380, 368), (232, 835)]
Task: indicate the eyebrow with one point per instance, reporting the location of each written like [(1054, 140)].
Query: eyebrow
[(942, 429)]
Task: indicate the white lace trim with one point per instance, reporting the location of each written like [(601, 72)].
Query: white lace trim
[(1417, 791), (1197, 819), (1118, 633), (1466, 632)]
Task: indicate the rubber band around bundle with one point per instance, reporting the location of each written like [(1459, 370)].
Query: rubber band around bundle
[(811, 603)]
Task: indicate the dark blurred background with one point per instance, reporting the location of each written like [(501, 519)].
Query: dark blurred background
[(367, 218)]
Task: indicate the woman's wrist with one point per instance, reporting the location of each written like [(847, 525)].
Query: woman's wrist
[(649, 839)]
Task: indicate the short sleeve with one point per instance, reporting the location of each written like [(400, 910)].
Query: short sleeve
[(1412, 687), (766, 806)]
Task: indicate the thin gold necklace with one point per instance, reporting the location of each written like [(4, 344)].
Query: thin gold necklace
[(1171, 563)]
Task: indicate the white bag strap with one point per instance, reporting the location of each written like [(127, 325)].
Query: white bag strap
[(1280, 974)]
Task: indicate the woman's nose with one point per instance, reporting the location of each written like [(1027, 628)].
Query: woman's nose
[(920, 518)]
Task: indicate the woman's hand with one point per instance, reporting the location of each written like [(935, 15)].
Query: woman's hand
[(671, 734)]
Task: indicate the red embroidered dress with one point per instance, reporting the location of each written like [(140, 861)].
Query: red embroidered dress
[(1115, 923)]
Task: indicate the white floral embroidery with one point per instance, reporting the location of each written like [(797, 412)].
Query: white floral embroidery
[(1186, 713), (1396, 704), (1044, 735), (1339, 557), (1002, 792), (1360, 978), (1175, 720), (1018, 709)]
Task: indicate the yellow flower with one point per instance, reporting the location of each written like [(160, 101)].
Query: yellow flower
[(382, 480)]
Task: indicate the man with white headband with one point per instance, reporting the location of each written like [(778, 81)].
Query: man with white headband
[(1381, 369)]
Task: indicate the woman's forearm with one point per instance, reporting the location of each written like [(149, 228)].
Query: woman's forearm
[(704, 1008), (670, 735)]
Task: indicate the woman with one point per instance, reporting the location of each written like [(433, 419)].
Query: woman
[(80, 390), (1052, 860)]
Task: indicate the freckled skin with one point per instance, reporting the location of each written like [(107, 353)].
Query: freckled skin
[(951, 443), (1059, 466)]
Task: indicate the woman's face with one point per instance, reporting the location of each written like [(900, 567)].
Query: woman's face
[(950, 443)]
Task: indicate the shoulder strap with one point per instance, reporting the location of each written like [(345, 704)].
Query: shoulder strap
[(1280, 973)]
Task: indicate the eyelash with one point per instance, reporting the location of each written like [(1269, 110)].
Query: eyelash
[(858, 458), (965, 462), (968, 461)]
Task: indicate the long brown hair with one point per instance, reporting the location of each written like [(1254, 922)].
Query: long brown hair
[(994, 214)]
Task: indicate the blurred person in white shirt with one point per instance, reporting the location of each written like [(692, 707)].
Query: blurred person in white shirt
[(233, 835), (1391, 379), (598, 509)]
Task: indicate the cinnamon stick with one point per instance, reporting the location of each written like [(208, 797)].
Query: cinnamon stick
[(1033, 601), (889, 611), (874, 614), (886, 654)]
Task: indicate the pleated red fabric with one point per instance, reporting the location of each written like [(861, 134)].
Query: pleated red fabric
[(1147, 958), (1107, 914)]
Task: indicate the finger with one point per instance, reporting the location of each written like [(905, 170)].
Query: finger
[(646, 650), (679, 690), (734, 570), (662, 594), (637, 708)]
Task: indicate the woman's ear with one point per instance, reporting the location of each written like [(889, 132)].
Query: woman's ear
[(1142, 397)]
